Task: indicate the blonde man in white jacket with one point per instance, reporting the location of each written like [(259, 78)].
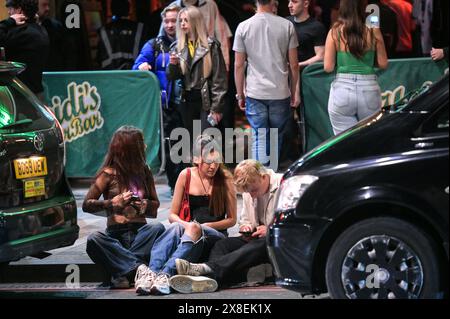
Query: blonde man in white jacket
[(232, 257)]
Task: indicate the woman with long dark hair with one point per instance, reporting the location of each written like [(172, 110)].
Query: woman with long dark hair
[(354, 50), (129, 196), (211, 196)]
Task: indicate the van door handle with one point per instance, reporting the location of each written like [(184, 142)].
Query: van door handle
[(424, 145)]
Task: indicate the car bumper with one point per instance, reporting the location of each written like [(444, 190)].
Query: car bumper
[(38, 227), (292, 247)]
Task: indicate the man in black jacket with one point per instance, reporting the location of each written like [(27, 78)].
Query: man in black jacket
[(25, 41), (56, 59)]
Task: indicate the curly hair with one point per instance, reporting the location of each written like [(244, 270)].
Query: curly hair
[(29, 7)]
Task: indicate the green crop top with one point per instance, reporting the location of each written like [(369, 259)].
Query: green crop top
[(349, 64)]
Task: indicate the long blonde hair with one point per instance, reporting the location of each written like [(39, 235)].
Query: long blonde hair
[(200, 34)]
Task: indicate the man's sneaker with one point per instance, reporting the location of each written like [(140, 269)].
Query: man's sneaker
[(143, 280), (161, 285), (190, 284), (120, 283), (184, 267)]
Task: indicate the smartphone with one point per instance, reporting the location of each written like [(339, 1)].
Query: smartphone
[(135, 198), (374, 22), (246, 233), (211, 120)]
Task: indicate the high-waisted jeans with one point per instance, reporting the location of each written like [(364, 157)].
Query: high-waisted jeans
[(353, 97)]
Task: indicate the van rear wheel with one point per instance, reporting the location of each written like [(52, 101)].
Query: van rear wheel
[(383, 258)]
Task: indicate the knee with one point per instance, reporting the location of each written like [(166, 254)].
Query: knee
[(193, 230), (94, 240), (94, 237)]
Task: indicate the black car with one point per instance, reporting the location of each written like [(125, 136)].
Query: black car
[(366, 214), (37, 208)]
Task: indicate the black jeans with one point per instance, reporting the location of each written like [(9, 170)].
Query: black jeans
[(123, 247), (172, 119), (231, 258), (192, 109)]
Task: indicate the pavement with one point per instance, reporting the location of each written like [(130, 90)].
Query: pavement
[(46, 275)]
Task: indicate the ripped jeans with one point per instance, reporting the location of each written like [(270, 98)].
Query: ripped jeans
[(174, 243)]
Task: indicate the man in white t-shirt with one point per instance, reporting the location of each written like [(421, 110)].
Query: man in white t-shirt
[(266, 58)]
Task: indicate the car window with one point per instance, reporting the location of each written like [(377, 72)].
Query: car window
[(7, 107), (16, 106), (438, 123)]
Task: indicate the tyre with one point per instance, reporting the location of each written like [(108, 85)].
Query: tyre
[(383, 258)]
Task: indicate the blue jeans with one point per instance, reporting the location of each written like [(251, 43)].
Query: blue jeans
[(174, 243), (123, 247), (262, 116), (353, 98)]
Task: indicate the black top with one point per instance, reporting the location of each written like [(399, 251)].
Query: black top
[(311, 33), (28, 44), (199, 205)]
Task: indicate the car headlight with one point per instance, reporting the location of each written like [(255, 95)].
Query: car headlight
[(291, 190)]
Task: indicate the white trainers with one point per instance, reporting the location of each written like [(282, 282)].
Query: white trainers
[(120, 283), (186, 268), (143, 280), (161, 285), (192, 284)]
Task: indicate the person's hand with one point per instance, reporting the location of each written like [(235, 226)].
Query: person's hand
[(122, 200), (241, 104), (295, 100), (145, 66), (260, 232), (19, 18), (174, 59), (437, 54), (216, 116)]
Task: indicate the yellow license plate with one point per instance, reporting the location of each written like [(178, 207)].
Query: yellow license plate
[(35, 166), (34, 187)]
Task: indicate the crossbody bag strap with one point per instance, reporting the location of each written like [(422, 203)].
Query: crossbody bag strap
[(187, 185)]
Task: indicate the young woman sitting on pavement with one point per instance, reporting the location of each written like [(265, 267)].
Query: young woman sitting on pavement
[(212, 202), (129, 196)]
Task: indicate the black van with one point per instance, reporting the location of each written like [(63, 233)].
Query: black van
[(365, 215)]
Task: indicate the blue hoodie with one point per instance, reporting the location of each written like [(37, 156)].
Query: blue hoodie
[(156, 53)]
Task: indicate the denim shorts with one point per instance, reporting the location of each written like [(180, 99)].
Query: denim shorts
[(353, 97)]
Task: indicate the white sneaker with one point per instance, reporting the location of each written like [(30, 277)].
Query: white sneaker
[(120, 283), (184, 267), (191, 284), (143, 280), (161, 285)]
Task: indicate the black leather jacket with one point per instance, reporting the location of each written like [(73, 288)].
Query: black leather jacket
[(215, 87)]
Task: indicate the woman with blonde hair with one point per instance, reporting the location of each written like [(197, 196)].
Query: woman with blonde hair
[(197, 60), (354, 50)]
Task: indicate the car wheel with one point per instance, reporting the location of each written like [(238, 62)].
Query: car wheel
[(383, 258)]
